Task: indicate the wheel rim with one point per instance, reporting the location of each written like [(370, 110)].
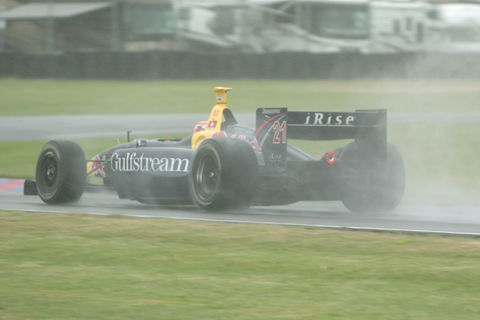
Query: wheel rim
[(49, 170), (207, 178)]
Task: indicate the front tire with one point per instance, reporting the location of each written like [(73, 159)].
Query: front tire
[(373, 191), (61, 172), (223, 176)]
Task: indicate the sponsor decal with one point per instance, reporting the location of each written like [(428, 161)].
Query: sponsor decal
[(212, 125), (248, 131), (219, 134), (271, 111), (254, 144), (326, 119), (97, 163), (275, 157), (219, 98), (132, 162)]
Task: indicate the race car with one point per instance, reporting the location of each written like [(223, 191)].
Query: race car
[(223, 165)]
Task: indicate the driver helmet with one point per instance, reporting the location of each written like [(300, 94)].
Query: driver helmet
[(200, 126)]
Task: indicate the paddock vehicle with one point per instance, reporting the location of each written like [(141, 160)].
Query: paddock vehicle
[(224, 165)]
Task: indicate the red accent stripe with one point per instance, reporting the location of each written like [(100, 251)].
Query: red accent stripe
[(265, 123)]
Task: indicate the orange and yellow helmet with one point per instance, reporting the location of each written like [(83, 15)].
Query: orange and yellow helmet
[(200, 126)]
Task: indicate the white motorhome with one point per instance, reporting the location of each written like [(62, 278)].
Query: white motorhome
[(210, 26), (275, 26), (460, 27), (310, 25), (400, 26)]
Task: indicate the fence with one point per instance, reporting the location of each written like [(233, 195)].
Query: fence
[(187, 65)]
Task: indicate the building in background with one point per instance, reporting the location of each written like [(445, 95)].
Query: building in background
[(59, 25), (460, 27), (318, 26), (54, 26), (250, 26), (147, 25)]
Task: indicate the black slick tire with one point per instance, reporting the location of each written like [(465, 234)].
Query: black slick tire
[(224, 173), (61, 172)]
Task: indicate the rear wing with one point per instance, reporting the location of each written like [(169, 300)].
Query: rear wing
[(276, 125)]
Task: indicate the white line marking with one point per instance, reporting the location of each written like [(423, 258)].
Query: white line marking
[(392, 230)]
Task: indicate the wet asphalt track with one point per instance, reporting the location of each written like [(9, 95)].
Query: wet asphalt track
[(465, 221), (444, 220)]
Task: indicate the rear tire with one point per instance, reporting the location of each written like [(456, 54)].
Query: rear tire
[(376, 191), (61, 172), (224, 173)]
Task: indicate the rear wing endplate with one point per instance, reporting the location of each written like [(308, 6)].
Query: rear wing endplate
[(276, 125)]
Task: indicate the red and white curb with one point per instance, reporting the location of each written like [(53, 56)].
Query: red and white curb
[(11, 184)]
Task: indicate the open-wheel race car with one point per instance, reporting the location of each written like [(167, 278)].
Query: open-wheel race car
[(224, 165)]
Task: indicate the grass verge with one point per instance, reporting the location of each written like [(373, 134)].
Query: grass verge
[(58, 266), (60, 97)]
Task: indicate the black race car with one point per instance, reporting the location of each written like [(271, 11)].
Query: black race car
[(224, 165)]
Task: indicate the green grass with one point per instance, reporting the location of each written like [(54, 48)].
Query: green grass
[(56, 266), (60, 97)]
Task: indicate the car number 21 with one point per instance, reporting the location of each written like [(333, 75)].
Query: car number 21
[(280, 129)]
